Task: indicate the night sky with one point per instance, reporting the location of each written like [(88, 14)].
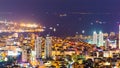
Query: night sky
[(71, 15)]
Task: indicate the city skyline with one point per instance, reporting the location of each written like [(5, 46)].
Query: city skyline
[(59, 34)]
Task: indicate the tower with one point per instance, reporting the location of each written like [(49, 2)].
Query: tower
[(38, 47), (107, 43), (94, 37), (100, 39), (48, 46), (119, 38)]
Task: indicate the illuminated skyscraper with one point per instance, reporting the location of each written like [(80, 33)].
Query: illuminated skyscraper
[(94, 37), (38, 47), (24, 55), (119, 38), (100, 39), (48, 46), (107, 43)]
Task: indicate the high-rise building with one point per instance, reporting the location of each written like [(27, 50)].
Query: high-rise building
[(48, 46), (95, 38), (115, 43), (38, 47), (107, 43), (24, 55), (100, 39), (119, 38), (33, 56)]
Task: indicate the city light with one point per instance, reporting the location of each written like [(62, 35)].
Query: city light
[(12, 53), (94, 32), (22, 27), (101, 38), (29, 25), (95, 38), (59, 34)]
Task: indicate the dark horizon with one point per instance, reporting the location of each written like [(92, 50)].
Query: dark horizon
[(72, 16)]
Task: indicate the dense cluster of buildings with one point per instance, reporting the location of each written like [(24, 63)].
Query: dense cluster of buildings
[(69, 52)]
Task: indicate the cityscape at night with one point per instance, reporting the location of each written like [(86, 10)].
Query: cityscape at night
[(59, 34)]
